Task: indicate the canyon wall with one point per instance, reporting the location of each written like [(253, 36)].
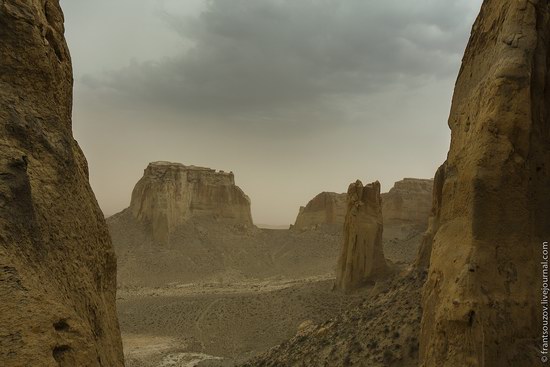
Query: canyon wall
[(170, 194), (57, 266), (482, 297), (425, 250), (362, 256), (327, 208), (408, 201)]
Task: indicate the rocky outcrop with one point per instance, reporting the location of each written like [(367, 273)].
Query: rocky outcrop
[(57, 266), (327, 208), (406, 209), (170, 194), (408, 202), (425, 250), (381, 331), (362, 257), (481, 306)]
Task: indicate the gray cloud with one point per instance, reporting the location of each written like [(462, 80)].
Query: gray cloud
[(295, 96), (281, 59)]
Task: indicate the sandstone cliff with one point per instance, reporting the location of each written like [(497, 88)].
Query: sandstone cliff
[(362, 257), (409, 202), (327, 208), (406, 208), (57, 266), (170, 194), (481, 301), (425, 250)]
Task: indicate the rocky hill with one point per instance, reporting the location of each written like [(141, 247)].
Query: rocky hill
[(171, 194), (381, 331), (57, 265)]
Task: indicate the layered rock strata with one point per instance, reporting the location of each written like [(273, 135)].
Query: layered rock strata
[(170, 194)]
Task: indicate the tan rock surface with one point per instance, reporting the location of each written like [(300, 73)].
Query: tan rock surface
[(481, 300), (170, 194), (362, 256), (408, 202), (57, 266), (327, 208), (406, 208), (425, 250), (202, 223)]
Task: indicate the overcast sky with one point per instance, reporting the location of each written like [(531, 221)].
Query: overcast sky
[(294, 96)]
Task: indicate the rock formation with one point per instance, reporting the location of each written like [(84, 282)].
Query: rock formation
[(482, 297), (425, 250), (408, 202), (170, 194), (57, 266), (362, 257), (406, 209), (327, 208)]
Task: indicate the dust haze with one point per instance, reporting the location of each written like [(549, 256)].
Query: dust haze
[(317, 92)]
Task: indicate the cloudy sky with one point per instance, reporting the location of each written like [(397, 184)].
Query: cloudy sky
[(295, 96)]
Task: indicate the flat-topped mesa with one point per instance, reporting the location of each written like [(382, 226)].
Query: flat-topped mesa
[(409, 201), (482, 298), (57, 264), (327, 208), (170, 194), (362, 256)]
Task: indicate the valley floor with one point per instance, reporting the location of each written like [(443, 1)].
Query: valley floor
[(224, 324)]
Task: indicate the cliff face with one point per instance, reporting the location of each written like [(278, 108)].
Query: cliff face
[(409, 201), (57, 266), (425, 250), (170, 194), (362, 257), (481, 300), (327, 208)]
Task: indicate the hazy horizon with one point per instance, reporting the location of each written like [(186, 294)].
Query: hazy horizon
[(294, 97)]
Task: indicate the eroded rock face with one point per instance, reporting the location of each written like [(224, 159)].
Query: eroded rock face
[(170, 194), (408, 202), (327, 208), (481, 300), (425, 250), (57, 266), (362, 257)]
